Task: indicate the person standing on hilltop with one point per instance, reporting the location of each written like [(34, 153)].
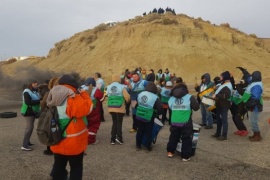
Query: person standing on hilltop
[(254, 103), (117, 98), (205, 89), (136, 86), (101, 86), (30, 108)]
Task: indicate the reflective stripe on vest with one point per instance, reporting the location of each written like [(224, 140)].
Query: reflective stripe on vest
[(115, 95), (181, 110), (94, 100), (146, 101)]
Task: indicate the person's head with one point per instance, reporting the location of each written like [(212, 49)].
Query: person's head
[(166, 70), (256, 76), (32, 84), (168, 84), (162, 82), (97, 75), (206, 78), (216, 80), (225, 76), (136, 77), (151, 87), (160, 71), (90, 81), (69, 81), (178, 80), (179, 90), (151, 71), (143, 71)]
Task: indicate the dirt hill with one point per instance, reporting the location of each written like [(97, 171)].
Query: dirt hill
[(187, 46)]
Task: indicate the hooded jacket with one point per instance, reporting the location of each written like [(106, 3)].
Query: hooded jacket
[(116, 78), (207, 85)]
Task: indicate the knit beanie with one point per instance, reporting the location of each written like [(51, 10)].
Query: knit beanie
[(68, 80), (226, 75), (90, 81)]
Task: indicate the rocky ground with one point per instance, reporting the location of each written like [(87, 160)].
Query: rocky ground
[(236, 158)]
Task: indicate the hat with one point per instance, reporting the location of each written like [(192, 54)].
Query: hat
[(226, 75), (168, 83), (68, 80), (90, 81)]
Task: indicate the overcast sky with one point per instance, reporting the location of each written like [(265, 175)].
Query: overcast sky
[(32, 27)]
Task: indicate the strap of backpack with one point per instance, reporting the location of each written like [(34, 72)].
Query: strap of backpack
[(67, 125)]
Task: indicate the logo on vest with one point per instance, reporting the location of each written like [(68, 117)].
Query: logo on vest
[(144, 99), (177, 104), (167, 93), (114, 90)]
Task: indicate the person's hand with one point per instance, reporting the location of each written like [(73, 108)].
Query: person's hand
[(214, 96)]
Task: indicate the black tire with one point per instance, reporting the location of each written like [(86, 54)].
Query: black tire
[(8, 114)]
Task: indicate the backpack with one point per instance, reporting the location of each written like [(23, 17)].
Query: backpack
[(48, 129)]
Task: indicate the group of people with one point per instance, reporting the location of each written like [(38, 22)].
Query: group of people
[(161, 11), (150, 96)]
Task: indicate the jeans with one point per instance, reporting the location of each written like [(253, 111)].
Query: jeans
[(117, 119), (145, 130), (253, 120), (60, 163), (207, 117), (222, 121), (30, 120)]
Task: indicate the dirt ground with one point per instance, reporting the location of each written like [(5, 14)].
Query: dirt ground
[(236, 158)]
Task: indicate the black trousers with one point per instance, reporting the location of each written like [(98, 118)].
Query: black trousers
[(102, 112), (135, 122), (185, 133), (145, 130), (127, 108), (164, 115), (238, 113), (117, 119), (76, 166)]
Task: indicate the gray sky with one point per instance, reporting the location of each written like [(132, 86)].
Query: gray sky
[(32, 27)]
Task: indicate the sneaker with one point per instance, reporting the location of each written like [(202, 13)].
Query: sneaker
[(47, 152), (119, 141), (112, 142), (26, 149), (132, 130), (222, 138), (186, 160), (244, 133), (237, 132), (138, 148), (202, 124), (170, 155), (208, 127)]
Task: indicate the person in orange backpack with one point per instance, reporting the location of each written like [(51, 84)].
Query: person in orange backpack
[(72, 107)]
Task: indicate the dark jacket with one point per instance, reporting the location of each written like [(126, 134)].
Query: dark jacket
[(207, 82), (222, 98), (151, 77)]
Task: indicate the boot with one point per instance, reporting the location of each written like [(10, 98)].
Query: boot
[(257, 137)]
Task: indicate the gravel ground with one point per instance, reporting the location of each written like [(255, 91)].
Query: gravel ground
[(236, 158)]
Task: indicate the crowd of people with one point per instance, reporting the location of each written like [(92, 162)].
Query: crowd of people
[(151, 96), (161, 11)]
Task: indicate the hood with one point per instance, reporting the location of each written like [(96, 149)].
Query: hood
[(207, 78), (151, 87), (179, 91), (53, 82), (256, 76)]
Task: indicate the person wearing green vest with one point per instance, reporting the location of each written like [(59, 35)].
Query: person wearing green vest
[(167, 75), (254, 103), (223, 103), (182, 104), (117, 98), (165, 96), (147, 109), (30, 108)]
